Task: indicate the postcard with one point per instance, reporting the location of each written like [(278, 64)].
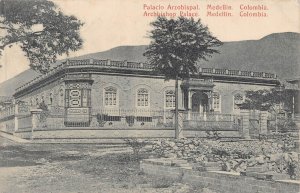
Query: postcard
[(149, 96)]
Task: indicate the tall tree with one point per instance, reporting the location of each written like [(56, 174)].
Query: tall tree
[(41, 30), (176, 45)]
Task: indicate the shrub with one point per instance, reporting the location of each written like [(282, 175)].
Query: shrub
[(130, 120), (101, 119), (44, 114), (286, 125), (213, 135), (136, 145)]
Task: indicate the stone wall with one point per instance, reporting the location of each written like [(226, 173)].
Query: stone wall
[(112, 133), (222, 182), (96, 133), (8, 125)]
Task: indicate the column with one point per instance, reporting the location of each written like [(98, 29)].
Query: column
[(210, 101), (182, 99), (263, 122), (16, 115), (293, 106), (180, 124), (189, 104), (246, 124)]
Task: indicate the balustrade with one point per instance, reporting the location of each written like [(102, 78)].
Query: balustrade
[(143, 66)]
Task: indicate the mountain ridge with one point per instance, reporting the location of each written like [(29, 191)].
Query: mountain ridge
[(276, 53)]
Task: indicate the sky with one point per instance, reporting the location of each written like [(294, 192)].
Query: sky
[(112, 23)]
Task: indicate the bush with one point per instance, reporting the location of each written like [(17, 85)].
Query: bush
[(137, 145), (44, 114), (286, 125), (101, 119), (130, 120)]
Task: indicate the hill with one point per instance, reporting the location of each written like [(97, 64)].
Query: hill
[(277, 53)]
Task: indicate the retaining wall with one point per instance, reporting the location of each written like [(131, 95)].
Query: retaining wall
[(222, 182)]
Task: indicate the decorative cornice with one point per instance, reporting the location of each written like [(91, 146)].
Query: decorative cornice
[(136, 68)]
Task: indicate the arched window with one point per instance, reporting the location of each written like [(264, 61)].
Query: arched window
[(37, 101), (50, 99), (237, 100), (170, 99), (143, 98), (42, 99), (110, 96), (61, 97), (216, 101)]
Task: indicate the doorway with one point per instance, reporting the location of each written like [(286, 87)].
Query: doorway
[(200, 102)]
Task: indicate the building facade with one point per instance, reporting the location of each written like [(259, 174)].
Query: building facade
[(78, 90)]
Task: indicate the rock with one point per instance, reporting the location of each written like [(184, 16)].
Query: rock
[(196, 143), (42, 161), (234, 163), (179, 154), (179, 144), (171, 155), (188, 141), (260, 159), (275, 157), (171, 144), (294, 156), (200, 158), (243, 167)]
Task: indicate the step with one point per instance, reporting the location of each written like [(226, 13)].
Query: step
[(261, 176), (115, 142), (13, 138)]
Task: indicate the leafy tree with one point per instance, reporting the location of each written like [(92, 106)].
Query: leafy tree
[(176, 45), (41, 30), (267, 100), (276, 101)]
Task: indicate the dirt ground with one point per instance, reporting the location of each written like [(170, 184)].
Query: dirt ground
[(76, 168)]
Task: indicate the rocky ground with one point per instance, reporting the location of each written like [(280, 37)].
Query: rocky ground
[(76, 168)]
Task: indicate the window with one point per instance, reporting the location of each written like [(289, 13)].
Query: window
[(110, 96), (170, 98), (75, 98), (50, 99), (61, 97), (216, 101), (142, 98), (237, 99), (37, 101)]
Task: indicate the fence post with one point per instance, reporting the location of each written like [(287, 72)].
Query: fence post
[(16, 116), (35, 115), (246, 123), (263, 123), (180, 123)]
